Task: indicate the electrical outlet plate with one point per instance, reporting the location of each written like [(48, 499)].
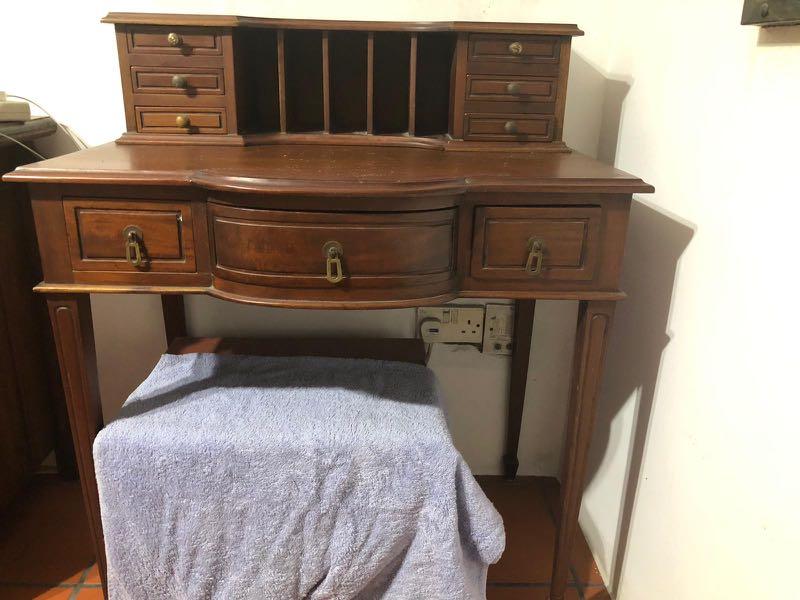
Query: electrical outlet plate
[(498, 334), (450, 324)]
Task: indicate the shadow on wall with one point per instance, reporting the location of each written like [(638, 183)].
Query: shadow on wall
[(779, 36), (640, 335)]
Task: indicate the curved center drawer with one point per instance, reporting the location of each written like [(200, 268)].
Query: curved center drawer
[(293, 248)]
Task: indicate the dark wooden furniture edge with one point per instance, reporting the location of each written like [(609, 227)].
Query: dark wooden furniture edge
[(394, 349), (126, 18), (82, 288)]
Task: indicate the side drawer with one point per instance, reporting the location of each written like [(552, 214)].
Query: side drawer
[(180, 41), (543, 243), (288, 248), (513, 54), (511, 88), (151, 119), (172, 80), (103, 235), (525, 128)]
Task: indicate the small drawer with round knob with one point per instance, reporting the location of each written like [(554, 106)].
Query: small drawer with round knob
[(185, 41), (189, 81), (526, 128), (511, 89), (150, 119), (529, 52)]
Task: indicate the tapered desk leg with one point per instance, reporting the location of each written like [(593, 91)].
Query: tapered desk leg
[(594, 325), (71, 319), (174, 316), (523, 329)]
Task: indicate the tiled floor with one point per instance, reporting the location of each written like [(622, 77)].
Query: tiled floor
[(528, 506), (45, 551)]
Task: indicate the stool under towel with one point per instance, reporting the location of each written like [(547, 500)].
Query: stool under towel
[(243, 477)]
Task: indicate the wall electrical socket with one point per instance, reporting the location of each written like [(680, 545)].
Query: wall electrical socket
[(450, 324), (498, 334)]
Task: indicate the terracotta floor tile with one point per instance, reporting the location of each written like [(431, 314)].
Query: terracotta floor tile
[(551, 494), (34, 593), (583, 563), (93, 576), (596, 593), (44, 538), (530, 533), (521, 593)]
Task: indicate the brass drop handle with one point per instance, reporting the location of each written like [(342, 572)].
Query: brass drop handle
[(510, 127), (179, 81), (515, 48), (174, 39), (133, 245), (533, 266), (182, 121), (513, 88), (333, 252)]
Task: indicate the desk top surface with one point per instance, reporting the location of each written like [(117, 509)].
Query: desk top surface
[(322, 169)]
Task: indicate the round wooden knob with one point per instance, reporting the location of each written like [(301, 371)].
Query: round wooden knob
[(179, 81), (513, 88), (182, 120), (510, 127), (174, 39), (515, 48)]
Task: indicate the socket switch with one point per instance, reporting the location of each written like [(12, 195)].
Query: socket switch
[(451, 324), (498, 335)]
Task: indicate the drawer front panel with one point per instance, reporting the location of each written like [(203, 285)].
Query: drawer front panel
[(185, 41), (511, 89), (98, 234), (528, 128), (184, 82), (286, 248), (166, 120), (569, 239), (514, 49)]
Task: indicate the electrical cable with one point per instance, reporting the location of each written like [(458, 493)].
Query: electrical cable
[(428, 347), (76, 140), (28, 148)]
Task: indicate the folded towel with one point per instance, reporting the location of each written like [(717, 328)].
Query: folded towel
[(290, 478)]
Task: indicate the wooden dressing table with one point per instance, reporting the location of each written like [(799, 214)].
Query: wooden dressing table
[(341, 165)]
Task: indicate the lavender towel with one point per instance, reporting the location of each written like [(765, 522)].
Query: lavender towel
[(233, 477)]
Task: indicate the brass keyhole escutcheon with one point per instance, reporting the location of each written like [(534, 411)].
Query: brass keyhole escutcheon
[(515, 48), (174, 39), (132, 236), (533, 266), (333, 253)]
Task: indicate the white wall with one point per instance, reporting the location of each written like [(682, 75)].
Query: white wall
[(79, 84), (693, 487), (694, 490)]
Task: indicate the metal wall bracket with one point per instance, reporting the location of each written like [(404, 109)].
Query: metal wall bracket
[(771, 12)]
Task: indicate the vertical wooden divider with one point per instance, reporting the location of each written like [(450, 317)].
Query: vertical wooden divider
[(412, 85), (326, 82), (370, 78), (282, 79)]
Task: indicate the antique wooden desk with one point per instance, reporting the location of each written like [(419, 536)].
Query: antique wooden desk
[(337, 165)]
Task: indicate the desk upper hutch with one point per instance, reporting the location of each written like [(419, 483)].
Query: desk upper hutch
[(333, 164)]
